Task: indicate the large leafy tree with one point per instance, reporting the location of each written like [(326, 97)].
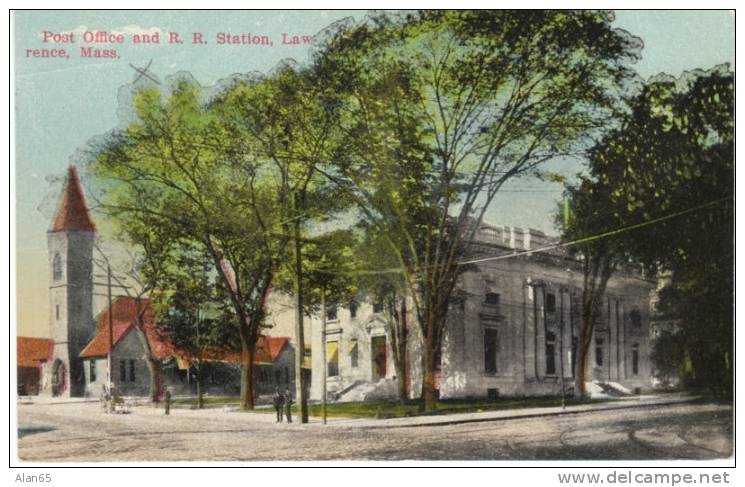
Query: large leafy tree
[(383, 285), (589, 214), (441, 108), (281, 131), (660, 191), (163, 178), (191, 311), (675, 156)]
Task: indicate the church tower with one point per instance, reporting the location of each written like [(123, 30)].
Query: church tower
[(70, 245)]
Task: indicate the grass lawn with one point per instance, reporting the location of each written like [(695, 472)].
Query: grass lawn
[(384, 410), (207, 400)]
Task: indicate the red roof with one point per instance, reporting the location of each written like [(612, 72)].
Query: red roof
[(72, 214), (268, 350), (32, 351), (124, 314)]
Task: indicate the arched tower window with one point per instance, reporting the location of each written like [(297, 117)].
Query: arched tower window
[(57, 267)]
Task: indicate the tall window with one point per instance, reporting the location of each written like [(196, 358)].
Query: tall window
[(575, 343), (131, 370), (122, 370), (92, 370), (57, 267), (56, 312), (490, 350), (550, 353), (353, 309), (635, 359), (378, 306), (332, 358), (354, 353), (636, 319), (332, 313), (550, 303), (599, 347)]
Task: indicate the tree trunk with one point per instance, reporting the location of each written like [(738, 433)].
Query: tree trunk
[(580, 366), (300, 379), (156, 384), (250, 320), (152, 364), (400, 356), (597, 272), (247, 372), (200, 392), (429, 399)]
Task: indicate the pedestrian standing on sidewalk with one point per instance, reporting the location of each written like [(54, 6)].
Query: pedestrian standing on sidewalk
[(168, 400), (278, 402), (288, 405)]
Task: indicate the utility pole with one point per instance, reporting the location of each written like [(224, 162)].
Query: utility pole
[(111, 327), (323, 347), (299, 329), (561, 345)]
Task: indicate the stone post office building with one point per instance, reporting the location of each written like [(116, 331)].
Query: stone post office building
[(512, 329)]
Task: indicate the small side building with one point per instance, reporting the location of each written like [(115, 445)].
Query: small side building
[(135, 338), (32, 354)]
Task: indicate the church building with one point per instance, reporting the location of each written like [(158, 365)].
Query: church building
[(70, 243), (74, 360)]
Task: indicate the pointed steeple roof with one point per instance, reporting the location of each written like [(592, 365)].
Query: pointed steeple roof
[(72, 213)]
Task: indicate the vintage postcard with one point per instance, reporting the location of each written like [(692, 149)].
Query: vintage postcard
[(436, 235)]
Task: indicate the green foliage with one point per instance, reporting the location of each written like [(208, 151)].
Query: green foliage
[(387, 410), (167, 185), (281, 143), (675, 152), (682, 157), (192, 312), (672, 163), (440, 108), (328, 268), (669, 358)]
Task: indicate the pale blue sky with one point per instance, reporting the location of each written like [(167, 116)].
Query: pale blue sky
[(61, 104)]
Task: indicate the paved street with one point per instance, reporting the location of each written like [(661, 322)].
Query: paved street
[(82, 432)]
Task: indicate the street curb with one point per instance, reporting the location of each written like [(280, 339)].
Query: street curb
[(453, 421), (55, 403)]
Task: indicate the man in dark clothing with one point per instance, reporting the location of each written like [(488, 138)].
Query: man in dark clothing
[(168, 400), (278, 402), (288, 405)]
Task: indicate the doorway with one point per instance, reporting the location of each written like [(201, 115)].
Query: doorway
[(379, 357), (59, 374)]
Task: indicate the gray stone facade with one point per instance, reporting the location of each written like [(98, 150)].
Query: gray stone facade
[(70, 310), (512, 329), (131, 374)]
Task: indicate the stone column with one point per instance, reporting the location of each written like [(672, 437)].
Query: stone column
[(622, 339), (565, 300), (529, 322), (540, 331), (610, 317)]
